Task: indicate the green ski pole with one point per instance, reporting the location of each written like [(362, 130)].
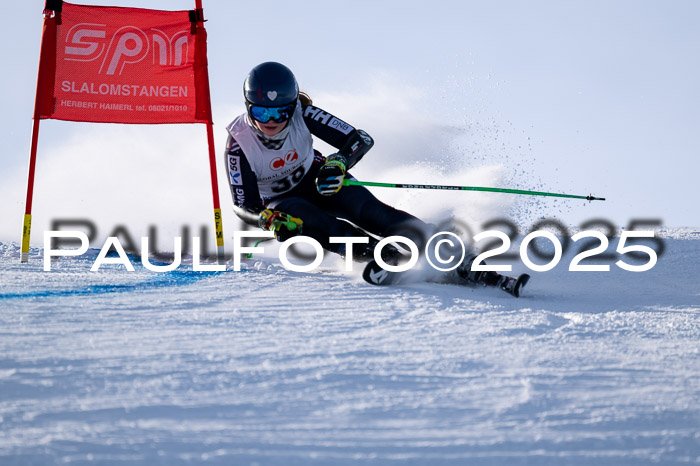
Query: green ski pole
[(348, 182)]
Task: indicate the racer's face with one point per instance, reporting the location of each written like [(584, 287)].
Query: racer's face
[(270, 128)]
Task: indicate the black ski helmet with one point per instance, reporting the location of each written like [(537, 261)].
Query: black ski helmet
[(270, 84)]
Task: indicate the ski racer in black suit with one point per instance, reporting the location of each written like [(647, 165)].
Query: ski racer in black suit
[(281, 184)]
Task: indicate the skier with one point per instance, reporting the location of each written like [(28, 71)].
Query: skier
[(280, 183)]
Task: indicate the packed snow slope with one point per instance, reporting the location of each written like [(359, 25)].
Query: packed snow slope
[(272, 367)]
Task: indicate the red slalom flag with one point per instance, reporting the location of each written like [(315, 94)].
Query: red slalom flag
[(125, 65), (122, 65)]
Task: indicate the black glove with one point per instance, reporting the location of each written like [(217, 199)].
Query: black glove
[(330, 176)]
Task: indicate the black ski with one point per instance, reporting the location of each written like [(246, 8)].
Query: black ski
[(374, 274), (513, 285)]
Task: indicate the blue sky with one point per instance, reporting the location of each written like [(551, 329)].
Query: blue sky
[(583, 97)]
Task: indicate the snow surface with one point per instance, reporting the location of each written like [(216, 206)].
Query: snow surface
[(273, 367)]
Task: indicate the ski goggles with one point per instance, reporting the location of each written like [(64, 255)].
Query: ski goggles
[(276, 114)]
